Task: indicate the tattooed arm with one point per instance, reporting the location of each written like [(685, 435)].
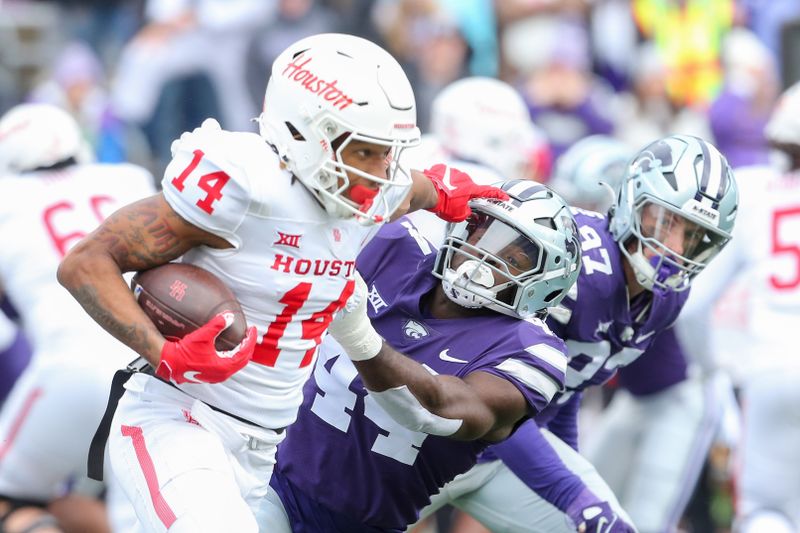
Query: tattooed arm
[(141, 235)]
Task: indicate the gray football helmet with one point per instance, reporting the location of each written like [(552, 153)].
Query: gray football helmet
[(515, 257), (675, 211), (581, 169)]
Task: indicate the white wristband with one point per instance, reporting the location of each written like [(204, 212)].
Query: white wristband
[(352, 328), (360, 341)]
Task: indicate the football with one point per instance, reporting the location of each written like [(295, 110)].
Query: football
[(180, 298)]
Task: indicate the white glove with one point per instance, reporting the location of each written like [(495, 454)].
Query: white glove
[(352, 329)]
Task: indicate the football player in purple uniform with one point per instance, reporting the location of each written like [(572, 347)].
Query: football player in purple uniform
[(378, 433), (674, 211), (649, 443)]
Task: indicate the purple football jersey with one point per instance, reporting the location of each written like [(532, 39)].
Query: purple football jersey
[(602, 328), (662, 365), (346, 451)]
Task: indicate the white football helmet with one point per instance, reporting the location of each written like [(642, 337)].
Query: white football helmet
[(486, 121), (38, 136), (529, 242), (581, 170), (326, 91), (678, 200), (784, 123)]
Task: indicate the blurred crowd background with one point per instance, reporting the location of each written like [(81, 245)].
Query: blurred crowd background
[(137, 73)]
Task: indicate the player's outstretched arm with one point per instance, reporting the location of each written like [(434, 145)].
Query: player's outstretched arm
[(445, 191), (481, 406), (541, 468), (141, 235)]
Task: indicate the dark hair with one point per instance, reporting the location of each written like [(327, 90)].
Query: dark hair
[(791, 150), (68, 162)]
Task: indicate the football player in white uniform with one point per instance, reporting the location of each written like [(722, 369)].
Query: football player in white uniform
[(279, 218), (52, 199), (766, 253)]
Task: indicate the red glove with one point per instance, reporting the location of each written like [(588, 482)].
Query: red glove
[(456, 189), (195, 359)]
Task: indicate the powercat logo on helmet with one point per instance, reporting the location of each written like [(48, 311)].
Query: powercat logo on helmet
[(296, 71)]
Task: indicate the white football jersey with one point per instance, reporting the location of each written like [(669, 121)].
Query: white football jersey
[(42, 216), (764, 260), (769, 238), (291, 265)]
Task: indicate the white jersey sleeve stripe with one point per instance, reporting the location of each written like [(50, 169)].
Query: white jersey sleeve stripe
[(549, 355), (530, 376)]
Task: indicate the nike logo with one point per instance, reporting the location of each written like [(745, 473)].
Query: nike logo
[(191, 376), (644, 336), (446, 180), (444, 357)]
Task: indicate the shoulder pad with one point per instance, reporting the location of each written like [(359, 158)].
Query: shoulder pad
[(207, 182)]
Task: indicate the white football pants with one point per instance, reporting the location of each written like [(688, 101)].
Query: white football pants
[(769, 479), (188, 468), (494, 496), (651, 450)]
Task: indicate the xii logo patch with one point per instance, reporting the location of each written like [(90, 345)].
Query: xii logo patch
[(375, 300), (287, 239)]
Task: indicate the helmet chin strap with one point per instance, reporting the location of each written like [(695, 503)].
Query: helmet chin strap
[(470, 285), (654, 274)]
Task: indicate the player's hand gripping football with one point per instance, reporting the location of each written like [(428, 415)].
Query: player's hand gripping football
[(195, 359), (455, 189)]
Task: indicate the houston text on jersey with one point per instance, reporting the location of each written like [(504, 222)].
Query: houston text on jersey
[(316, 267)]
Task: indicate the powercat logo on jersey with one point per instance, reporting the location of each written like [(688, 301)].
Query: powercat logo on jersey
[(297, 71), (414, 330), (314, 267)]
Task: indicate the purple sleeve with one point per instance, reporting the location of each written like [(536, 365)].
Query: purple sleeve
[(14, 358), (392, 247), (662, 365), (537, 464), (564, 424), (537, 366)]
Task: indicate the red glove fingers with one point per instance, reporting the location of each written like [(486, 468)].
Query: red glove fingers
[(455, 190), (195, 359)]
